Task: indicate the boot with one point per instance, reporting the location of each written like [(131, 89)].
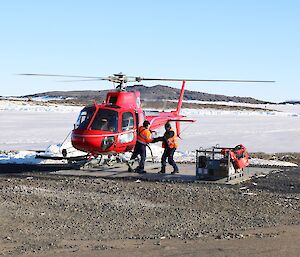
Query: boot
[(130, 169), (129, 164), (175, 171), (138, 170), (162, 170)]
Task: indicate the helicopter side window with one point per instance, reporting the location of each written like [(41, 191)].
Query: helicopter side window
[(105, 120), (127, 121), (84, 118)]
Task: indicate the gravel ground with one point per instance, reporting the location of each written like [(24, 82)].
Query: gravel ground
[(39, 212)]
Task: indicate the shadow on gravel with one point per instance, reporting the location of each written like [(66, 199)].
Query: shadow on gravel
[(19, 168)]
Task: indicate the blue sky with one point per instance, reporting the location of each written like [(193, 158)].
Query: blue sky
[(232, 39)]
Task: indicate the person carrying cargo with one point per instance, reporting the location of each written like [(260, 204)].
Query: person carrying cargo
[(170, 144), (143, 138)]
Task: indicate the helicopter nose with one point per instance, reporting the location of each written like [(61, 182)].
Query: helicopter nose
[(92, 143)]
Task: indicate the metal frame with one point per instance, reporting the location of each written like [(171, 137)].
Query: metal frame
[(212, 165)]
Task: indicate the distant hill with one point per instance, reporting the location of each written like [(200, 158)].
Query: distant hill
[(290, 102), (158, 92)]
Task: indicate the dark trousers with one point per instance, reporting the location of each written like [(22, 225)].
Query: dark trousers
[(139, 149), (168, 153)]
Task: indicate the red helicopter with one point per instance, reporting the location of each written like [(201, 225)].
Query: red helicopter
[(111, 127)]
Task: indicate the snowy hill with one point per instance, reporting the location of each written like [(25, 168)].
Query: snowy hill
[(147, 94)]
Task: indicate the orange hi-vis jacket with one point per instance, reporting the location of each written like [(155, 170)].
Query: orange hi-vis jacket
[(144, 135), (171, 141)]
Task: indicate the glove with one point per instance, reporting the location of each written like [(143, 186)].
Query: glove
[(157, 139), (153, 132)]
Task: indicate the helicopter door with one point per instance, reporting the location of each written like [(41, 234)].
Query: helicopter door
[(137, 120)]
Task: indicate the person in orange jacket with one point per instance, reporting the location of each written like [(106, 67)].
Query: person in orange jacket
[(170, 144), (143, 138)]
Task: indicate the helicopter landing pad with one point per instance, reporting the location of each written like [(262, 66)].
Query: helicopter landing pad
[(186, 173), (120, 171)]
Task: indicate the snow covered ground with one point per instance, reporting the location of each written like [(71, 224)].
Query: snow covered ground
[(258, 131), (30, 126), (25, 126)]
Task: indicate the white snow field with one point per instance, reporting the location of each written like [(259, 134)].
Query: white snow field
[(34, 127), (259, 131), (31, 126)]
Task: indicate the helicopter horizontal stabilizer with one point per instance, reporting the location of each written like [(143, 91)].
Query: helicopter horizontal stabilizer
[(180, 120), (177, 123)]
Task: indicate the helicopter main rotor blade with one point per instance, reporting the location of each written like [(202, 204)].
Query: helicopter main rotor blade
[(206, 80), (64, 76), (122, 78), (80, 80)]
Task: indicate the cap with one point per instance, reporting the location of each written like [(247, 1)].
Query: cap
[(146, 123), (167, 125)]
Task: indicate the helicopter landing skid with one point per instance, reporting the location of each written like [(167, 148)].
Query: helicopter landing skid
[(100, 161)]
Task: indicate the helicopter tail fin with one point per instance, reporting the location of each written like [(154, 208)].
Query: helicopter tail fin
[(180, 98)]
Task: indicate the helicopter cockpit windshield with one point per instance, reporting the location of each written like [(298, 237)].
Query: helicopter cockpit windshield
[(84, 118), (105, 120)]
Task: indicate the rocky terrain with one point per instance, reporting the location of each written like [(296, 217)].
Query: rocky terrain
[(44, 213), (286, 157), (290, 102)]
